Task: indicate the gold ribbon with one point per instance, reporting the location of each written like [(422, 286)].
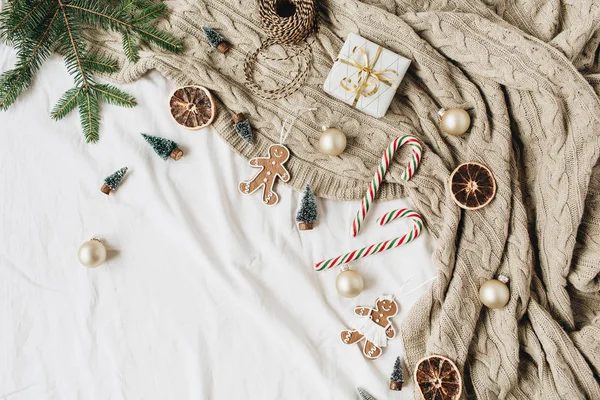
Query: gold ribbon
[(365, 73)]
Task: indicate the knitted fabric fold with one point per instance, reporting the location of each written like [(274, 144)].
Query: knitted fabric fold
[(528, 75)]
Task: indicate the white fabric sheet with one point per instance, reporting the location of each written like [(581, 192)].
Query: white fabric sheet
[(207, 294)]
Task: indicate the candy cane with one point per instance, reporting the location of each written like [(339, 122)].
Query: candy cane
[(411, 167), (379, 247)]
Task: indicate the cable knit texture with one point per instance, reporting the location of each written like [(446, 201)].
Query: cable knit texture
[(528, 75)]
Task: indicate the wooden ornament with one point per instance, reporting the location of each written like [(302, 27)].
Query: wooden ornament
[(374, 327), (271, 168)]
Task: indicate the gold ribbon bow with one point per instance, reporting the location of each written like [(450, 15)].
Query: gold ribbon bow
[(365, 73)]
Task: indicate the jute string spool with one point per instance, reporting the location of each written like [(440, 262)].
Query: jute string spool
[(287, 23)]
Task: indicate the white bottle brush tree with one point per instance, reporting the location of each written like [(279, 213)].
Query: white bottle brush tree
[(38, 28), (307, 215)]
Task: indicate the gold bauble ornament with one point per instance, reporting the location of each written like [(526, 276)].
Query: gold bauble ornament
[(454, 121), (349, 283), (494, 293), (332, 141), (92, 253)]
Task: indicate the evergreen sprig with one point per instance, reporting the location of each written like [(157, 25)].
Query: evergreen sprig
[(37, 28)]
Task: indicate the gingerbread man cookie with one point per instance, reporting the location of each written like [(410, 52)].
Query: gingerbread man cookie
[(374, 326), (271, 167)]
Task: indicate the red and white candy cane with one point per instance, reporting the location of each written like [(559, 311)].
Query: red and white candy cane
[(379, 247), (411, 167)]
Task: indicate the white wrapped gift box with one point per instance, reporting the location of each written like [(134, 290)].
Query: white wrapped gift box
[(366, 75)]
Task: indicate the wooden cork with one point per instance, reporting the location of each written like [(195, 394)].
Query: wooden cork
[(105, 189), (239, 117), (395, 385), (223, 47), (176, 154), (305, 226)]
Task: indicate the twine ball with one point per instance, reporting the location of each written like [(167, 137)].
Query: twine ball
[(288, 21)]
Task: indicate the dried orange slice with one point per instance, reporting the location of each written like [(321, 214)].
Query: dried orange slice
[(472, 185), (192, 107), (438, 379)]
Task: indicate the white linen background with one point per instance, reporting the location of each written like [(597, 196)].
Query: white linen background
[(207, 293)]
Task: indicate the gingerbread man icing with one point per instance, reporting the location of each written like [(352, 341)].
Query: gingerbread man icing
[(271, 167), (374, 326)]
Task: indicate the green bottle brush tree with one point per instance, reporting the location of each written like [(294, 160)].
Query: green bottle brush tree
[(165, 148), (113, 181), (38, 28), (397, 376), (307, 215), (215, 40)]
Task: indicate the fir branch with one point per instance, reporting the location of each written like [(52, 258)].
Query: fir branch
[(66, 103), (160, 38), (116, 21), (126, 4), (74, 58), (112, 95), (132, 5), (94, 14), (100, 63), (89, 114), (10, 29), (13, 82), (130, 47), (150, 13), (36, 28)]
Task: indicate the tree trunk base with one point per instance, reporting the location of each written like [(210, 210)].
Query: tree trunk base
[(305, 226), (239, 117), (395, 385), (105, 189), (176, 154), (223, 47)]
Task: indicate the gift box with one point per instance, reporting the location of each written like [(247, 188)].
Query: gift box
[(366, 76)]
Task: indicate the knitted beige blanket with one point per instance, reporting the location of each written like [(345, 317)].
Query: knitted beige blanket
[(528, 74)]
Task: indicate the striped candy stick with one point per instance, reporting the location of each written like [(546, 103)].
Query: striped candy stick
[(388, 155), (382, 246)]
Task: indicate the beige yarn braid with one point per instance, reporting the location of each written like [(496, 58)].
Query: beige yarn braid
[(284, 30)]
